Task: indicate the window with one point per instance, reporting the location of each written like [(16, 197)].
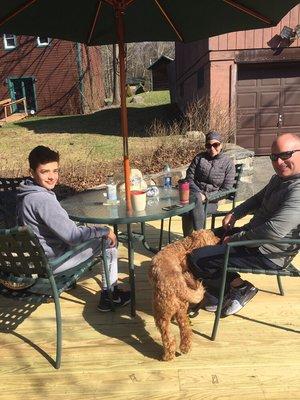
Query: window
[(200, 78), (43, 41), (181, 90), (10, 41)]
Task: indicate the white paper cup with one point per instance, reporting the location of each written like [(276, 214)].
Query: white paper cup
[(138, 200)]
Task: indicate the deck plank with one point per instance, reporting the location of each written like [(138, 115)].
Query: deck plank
[(256, 354)]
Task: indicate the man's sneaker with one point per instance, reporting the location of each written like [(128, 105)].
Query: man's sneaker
[(120, 299), (238, 298), (210, 302)]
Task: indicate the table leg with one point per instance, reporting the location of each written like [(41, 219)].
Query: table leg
[(144, 241), (131, 269)]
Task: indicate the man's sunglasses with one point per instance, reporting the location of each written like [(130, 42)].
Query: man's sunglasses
[(285, 155), (214, 145)]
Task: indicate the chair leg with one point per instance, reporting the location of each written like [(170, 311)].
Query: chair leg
[(280, 287), (221, 295), (219, 309), (161, 234), (58, 323), (105, 266), (169, 235), (213, 221), (205, 214)]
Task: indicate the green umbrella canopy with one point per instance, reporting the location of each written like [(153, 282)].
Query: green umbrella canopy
[(93, 21), (96, 22)]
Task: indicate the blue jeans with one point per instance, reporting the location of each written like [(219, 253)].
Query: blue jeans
[(194, 219), (207, 263)]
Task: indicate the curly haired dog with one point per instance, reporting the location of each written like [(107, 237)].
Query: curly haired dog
[(174, 287)]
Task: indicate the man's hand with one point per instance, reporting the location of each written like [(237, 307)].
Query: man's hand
[(228, 222), (203, 197), (226, 239), (111, 238)]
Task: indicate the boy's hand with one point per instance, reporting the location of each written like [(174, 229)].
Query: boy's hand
[(112, 238)]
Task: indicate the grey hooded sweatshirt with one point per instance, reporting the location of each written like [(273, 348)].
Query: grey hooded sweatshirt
[(39, 208), (276, 215)]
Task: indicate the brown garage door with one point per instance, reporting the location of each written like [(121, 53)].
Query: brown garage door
[(268, 103)]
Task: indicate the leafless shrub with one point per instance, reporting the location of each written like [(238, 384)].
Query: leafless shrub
[(204, 115)]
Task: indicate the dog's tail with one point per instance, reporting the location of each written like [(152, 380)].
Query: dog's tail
[(192, 295)]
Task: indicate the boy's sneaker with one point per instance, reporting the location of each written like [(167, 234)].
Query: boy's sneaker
[(120, 299), (238, 298)]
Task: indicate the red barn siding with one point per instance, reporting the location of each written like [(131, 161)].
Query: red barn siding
[(224, 50), (56, 73)]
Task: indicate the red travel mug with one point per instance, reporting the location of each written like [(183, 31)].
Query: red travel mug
[(184, 191)]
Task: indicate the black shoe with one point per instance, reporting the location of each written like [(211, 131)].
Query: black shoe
[(238, 298), (120, 299)]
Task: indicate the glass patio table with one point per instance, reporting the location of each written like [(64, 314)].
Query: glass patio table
[(91, 207)]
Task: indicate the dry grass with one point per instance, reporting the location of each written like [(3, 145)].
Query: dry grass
[(91, 146)]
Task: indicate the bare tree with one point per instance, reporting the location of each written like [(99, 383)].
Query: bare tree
[(139, 57), (116, 76)]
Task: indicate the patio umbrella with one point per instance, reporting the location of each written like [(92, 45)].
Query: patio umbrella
[(96, 22)]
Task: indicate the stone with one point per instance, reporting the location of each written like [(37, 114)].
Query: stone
[(196, 135)]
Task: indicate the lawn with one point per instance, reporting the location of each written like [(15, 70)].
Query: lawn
[(87, 143)]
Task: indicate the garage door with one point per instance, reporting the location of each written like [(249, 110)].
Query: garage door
[(268, 103)]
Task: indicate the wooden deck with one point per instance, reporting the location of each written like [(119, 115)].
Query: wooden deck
[(256, 354), (13, 118)]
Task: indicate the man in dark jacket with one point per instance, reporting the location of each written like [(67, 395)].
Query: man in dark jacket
[(276, 215), (210, 171)]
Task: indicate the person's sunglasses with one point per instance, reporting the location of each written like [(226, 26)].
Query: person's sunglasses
[(285, 155), (214, 145)]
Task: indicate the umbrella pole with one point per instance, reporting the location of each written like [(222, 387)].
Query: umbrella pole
[(124, 117)]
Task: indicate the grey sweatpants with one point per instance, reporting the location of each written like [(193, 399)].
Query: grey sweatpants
[(93, 248)]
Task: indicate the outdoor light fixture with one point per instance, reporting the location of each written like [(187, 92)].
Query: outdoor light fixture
[(287, 33)]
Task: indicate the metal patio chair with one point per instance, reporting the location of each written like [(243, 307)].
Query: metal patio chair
[(289, 270), (8, 201), (229, 195), (23, 261)]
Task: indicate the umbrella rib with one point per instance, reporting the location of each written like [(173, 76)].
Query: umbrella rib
[(17, 11), (248, 11), (94, 22), (168, 19)]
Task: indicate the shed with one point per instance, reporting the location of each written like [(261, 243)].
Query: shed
[(160, 75)]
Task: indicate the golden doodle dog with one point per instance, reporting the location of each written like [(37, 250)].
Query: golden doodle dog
[(174, 287)]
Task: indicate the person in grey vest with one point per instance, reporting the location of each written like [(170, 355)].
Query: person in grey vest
[(276, 215), (209, 172), (38, 207)]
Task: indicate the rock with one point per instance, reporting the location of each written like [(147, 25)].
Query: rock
[(137, 100), (196, 135)]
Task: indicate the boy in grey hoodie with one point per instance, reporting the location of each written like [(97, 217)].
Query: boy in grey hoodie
[(39, 208), (276, 215)]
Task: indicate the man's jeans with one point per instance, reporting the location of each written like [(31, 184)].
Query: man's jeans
[(194, 219), (207, 263)]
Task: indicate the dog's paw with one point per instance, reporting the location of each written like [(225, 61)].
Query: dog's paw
[(185, 347), (168, 356)]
